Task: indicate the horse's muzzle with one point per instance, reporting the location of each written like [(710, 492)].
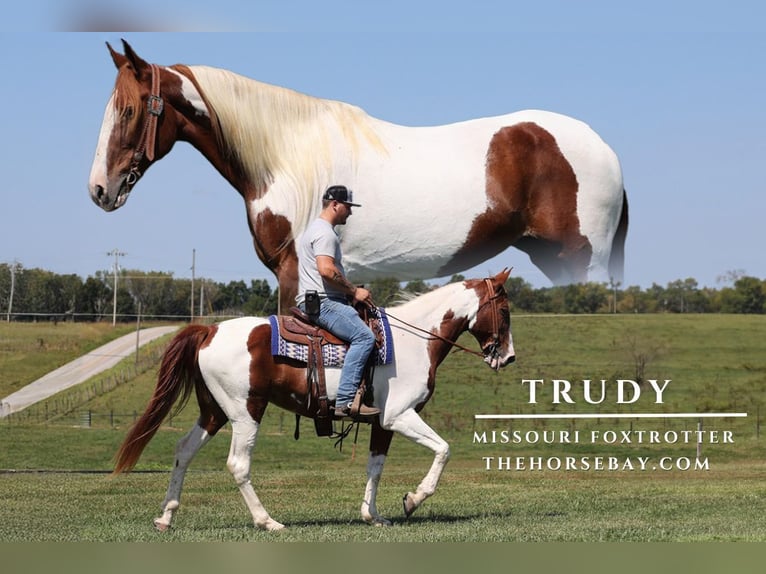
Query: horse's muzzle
[(107, 202), (496, 362)]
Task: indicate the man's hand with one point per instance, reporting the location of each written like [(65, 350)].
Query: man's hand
[(362, 295)]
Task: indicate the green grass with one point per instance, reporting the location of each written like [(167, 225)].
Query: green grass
[(715, 362), (30, 350)]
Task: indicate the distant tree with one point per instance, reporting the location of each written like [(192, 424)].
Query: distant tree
[(747, 296), (261, 301), (94, 298), (585, 297), (417, 287), (385, 291)]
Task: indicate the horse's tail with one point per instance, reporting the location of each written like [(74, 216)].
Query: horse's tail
[(179, 373), (617, 255)]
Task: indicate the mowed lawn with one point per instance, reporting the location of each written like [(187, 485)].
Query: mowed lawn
[(56, 484)]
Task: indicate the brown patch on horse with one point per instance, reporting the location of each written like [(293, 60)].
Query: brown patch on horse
[(450, 328), (532, 193), (275, 245), (380, 438), (278, 380)]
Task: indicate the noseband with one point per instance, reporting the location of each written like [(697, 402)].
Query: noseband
[(148, 141)]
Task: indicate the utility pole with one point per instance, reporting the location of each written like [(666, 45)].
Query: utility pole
[(117, 254), (194, 259), (14, 268)]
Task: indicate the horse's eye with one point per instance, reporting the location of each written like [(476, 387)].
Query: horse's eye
[(128, 112)]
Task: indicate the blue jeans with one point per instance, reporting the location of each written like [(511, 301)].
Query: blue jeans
[(342, 320)]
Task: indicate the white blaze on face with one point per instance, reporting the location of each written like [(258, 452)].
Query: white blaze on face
[(98, 171)]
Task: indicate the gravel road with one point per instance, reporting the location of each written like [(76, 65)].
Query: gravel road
[(80, 369)]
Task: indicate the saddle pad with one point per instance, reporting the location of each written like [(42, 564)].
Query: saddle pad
[(334, 355)]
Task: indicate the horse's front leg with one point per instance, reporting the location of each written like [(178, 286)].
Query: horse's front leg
[(380, 440), (186, 448), (413, 427)]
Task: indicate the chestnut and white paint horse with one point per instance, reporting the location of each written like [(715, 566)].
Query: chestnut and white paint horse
[(235, 376), (437, 200)]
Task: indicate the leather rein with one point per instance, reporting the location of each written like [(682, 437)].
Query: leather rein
[(147, 142), (491, 300)]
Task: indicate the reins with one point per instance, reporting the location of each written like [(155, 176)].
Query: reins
[(435, 336), (492, 300)]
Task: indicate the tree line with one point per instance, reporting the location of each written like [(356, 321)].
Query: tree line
[(37, 294)]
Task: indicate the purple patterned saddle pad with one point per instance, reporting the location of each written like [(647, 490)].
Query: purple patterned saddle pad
[(334, 355)]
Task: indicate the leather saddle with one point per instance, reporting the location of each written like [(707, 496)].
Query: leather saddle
[(299, 329)]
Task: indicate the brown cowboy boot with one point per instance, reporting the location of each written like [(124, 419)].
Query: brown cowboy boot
[(356, 410)]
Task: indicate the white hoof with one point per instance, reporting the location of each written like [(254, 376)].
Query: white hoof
[(161, 526), (380, 521), (271, 525)]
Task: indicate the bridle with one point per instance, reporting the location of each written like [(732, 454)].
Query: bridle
[(492, 300), (147, 142), (489, 351)]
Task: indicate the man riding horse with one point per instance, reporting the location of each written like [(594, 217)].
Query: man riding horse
[(321, 274)]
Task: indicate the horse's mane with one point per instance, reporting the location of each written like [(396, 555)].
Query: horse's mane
[(274, 131), (430, 304)]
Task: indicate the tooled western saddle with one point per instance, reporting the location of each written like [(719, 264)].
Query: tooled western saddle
[(300, 329)]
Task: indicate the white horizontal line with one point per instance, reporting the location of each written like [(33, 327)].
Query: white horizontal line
[(614, 416)]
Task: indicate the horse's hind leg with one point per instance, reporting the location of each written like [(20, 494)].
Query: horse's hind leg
[(186, 448), (414, 428), (238, 463)]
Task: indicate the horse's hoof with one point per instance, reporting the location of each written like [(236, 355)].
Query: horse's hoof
[(161, 526), (271, 525), (380, 521), (408, 504)]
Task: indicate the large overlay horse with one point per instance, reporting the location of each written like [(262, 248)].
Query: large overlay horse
[(437, 200), (235, 375)]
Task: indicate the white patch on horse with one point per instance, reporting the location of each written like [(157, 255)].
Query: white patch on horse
[(98, 171), (189, 91)]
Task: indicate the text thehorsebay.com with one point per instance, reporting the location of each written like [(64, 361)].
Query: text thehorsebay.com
[(636, 449)]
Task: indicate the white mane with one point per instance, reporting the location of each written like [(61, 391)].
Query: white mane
[(429, 308), (274, 131)]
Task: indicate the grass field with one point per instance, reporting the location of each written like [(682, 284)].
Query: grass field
[(715, 363)]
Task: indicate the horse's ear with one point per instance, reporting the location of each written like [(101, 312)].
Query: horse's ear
[(117, 58), (136, 62), (502, 277)]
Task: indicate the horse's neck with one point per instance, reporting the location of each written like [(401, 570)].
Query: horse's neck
[(281, 141), (444, 311)]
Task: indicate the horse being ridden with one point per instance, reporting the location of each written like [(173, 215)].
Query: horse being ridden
[(235, 376), (542, 182)]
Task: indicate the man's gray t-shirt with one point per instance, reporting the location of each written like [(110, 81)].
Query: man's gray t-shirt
[(318, 239)]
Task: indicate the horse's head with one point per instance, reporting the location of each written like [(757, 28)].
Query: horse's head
[(135, 131), (491, 325)]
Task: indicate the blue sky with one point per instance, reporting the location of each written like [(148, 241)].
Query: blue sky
[(676, 88)]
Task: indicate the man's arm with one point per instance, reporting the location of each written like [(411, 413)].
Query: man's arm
[(330, 272)]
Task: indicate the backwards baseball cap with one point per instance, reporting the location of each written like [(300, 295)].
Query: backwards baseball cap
[(341, 194)]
